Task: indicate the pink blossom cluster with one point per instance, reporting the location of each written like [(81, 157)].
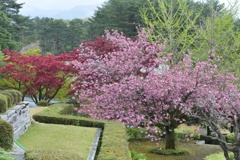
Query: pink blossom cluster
[(126, 85)]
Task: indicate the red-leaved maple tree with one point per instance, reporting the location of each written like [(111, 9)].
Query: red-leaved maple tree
[(41, 76), (137, 86)]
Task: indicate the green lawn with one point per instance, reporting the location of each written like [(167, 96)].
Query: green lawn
[(52, 137)]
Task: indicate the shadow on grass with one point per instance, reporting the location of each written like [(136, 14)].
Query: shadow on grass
[(196, 152)]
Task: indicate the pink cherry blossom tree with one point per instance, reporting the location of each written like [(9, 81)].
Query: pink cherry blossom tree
[(136, 85), (218, 105)]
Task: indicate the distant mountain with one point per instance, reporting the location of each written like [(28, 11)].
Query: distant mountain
[(76, 12)]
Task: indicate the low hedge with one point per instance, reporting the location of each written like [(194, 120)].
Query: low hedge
[(3, 103), (113, 143), (53, 155)]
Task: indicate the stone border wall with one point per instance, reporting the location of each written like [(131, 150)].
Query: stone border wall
[(19, 118)]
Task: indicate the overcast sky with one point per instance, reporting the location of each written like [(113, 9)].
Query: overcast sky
[(51, 8), (65, 9)]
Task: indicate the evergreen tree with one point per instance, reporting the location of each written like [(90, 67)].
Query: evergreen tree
[(121, 15)]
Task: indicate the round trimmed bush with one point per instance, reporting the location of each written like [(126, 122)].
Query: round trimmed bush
[(10, 98), (6, 135), (14, 94), (3, 103), (20, 95), (219, 156), (42, 103)]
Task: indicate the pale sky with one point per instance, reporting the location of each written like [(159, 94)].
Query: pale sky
[(35, 7), (68, 9), (60, 4)]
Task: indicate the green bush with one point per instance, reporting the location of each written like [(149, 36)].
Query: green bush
[(42, 103), (113, 143), (137, 156), (219, 156), (5, 155), (185, 133), (10, 98), (14, 94), (169, 151), (6, 135), (50, 155), (70, 110), (3, 103), (20, 95), (136, 133), (230, 138)]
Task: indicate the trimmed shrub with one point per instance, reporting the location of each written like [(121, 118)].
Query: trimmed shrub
[(230, 138), (113, 142), (5, 155), (6, 135), (14, 94), (70, 110), (169, 151), (219, 156), (3, 103), (53, 155), (136, 133), (20, 95), (137, 156), (185, 132), (10, 98), (42, 103)]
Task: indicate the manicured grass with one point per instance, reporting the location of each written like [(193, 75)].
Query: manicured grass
[(52, 137), (113, 142)]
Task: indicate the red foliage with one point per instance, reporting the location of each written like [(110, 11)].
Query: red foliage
[(42, 76)]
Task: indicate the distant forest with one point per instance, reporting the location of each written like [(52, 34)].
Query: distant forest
[(58, 35)]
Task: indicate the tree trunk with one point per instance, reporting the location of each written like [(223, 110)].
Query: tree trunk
[(225, 150), (208, 131), (231, 129), (237, 152), (170, 138)]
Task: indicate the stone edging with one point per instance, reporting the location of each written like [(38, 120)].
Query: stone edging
[(92, 153)]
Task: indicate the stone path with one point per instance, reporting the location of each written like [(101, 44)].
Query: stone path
[(18, 152), (35, 110)]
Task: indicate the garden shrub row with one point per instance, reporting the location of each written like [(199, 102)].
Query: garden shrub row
[(113, 144), (8, 98)]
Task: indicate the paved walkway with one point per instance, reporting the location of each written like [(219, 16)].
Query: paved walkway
[(18, 152), (35, 110)]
